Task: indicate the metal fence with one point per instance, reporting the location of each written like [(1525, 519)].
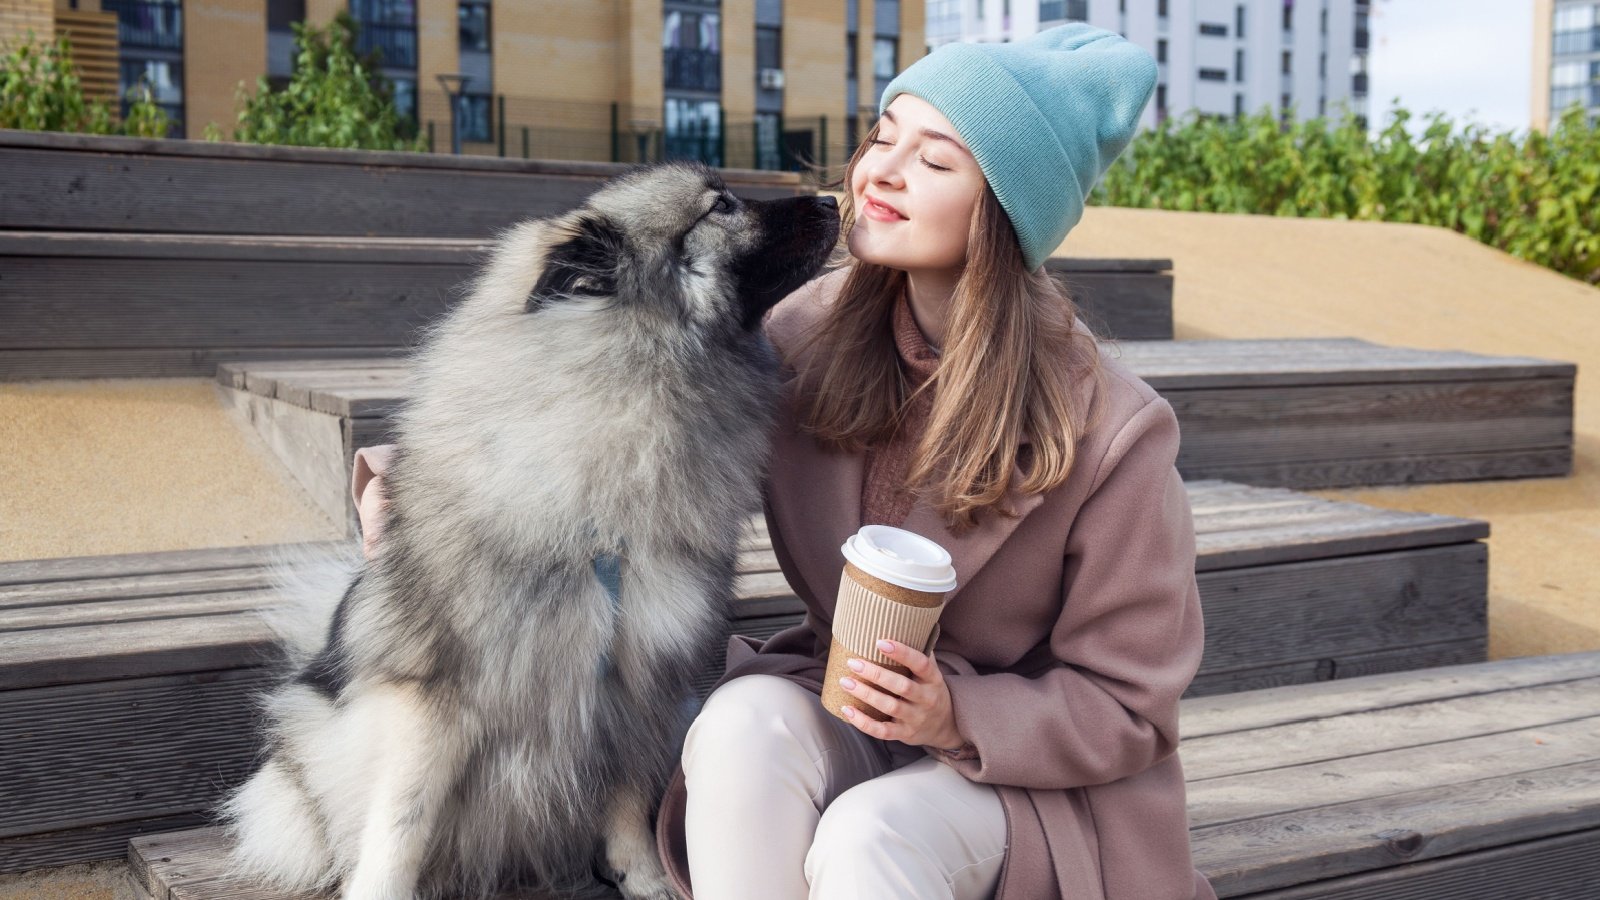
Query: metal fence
[(616, 132)]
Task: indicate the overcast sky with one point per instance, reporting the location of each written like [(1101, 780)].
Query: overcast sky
[(1470, 58)]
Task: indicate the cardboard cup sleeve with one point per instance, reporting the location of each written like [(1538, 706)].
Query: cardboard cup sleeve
[(869, 608)]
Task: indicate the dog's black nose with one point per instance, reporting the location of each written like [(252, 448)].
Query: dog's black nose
[(828, 200)]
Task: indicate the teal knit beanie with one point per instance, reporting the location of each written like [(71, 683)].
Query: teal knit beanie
[(1044, 118)]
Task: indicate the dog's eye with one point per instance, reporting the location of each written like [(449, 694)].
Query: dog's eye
[(724, 204)]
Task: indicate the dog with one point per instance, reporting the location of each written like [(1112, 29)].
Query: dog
[(481, 706)]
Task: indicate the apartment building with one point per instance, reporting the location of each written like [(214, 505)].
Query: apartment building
[(1566, 60), (1223, 58), (759, 83)]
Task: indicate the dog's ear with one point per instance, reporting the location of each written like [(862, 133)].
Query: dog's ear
[(583, 265)]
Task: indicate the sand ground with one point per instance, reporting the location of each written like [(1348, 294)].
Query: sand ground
[(120, 466)]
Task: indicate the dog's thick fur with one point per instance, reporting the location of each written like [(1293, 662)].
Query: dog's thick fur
[(469, 711)]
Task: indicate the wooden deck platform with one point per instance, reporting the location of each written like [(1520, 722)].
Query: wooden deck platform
[(126, 681), (80, 304), (1472, 782)]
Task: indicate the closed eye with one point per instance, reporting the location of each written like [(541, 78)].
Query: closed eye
[(930, 165)]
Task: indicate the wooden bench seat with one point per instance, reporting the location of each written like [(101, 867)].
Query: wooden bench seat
[(125, 681), (177, 304), (1468, 782)]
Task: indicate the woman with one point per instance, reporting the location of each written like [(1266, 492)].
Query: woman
[(940, 383)]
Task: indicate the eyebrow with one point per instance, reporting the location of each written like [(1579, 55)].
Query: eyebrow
[(936, 135)]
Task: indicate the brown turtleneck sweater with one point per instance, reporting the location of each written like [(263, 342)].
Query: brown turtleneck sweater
[(885, 500)]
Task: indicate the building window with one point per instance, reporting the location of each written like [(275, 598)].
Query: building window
[(1213, 29), (1238, 20), (1161, 98), (1322, 64), (691, 47), (150, 52), (769, 48), (1071, 10), (1238, 105), (477, 120), (694, 130), (388, 26), (768, 147), (1286, 66), (1288, 15), (1214, 74), (884, 58), (1238, 65), (1161, 8), (1322, 24), (405, 97), (1576, 29), (473, 16), (1161, 50)]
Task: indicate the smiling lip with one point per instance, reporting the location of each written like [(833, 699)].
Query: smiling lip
[(881, 211)]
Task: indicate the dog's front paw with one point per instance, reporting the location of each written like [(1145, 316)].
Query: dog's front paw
[(642, 882)]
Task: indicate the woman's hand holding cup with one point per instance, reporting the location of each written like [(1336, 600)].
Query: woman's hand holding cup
[(920, 715)]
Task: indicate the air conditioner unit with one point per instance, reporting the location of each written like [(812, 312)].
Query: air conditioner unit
[(771, 79)]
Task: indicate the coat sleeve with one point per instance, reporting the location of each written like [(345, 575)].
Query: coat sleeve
[(1128, 641)]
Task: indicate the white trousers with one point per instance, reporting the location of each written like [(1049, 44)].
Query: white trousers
[(788, 801)]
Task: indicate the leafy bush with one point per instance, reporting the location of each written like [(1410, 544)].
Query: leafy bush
[(1533, 196), (40, 91), (333, 99)]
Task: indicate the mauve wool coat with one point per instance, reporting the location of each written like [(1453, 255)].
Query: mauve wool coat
[(1070, 637)]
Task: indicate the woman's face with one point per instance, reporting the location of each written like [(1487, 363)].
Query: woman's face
[(914, 191)]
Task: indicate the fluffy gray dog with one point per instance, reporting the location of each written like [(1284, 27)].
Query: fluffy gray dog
[(474, 709)]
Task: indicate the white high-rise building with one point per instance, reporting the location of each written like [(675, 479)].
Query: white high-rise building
[(1218, 57)]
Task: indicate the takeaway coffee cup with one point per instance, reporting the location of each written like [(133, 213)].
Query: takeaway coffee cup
[(893, 586)]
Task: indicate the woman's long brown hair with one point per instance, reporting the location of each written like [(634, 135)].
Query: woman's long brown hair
[(1010, 359)]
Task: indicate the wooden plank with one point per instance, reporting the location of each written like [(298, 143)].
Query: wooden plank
[(1236, 713), (111, 146), (1280, 851), (1219, 362), (27, 365), (59, 848), (1410, 658), (408, 194), (132, 649), (1371, 775), (1313, 609), (1555, 462), (117, 565), (1375, 730), (131, 587), (179, 248), (111, 611), (98, 754), (1553, 868)]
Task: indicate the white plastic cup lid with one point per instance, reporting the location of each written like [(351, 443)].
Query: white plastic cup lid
[(901, 557)]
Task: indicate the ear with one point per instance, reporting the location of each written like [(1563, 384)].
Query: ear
[(583, 265)]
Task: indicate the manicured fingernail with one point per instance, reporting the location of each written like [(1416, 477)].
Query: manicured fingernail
[(886, 646), (848, 711), (847, 683), (856, 665)]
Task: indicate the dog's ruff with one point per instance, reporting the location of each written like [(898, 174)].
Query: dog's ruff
[(482, 706)]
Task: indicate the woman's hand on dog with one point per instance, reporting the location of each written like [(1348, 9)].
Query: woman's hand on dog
[(922, 713)]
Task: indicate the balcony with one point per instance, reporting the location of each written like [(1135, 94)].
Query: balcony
[(143, 24), (692, 69), (396, 43)]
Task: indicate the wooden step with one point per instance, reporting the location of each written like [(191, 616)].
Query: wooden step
[(95, 304), (1472, 782), (58, 181), (1301, 413), (125, 682)]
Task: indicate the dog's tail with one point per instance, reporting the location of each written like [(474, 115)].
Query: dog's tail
[(308, 580)]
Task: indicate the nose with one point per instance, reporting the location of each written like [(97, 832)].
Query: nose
[(829, 201)]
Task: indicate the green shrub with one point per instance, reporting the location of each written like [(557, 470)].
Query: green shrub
[(39, 91), (1533, 196), (333, 99)]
